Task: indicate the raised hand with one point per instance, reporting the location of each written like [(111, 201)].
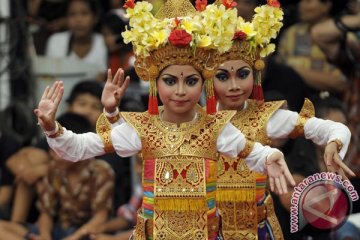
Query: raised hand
[(48, 106), (278, 173), (334, 162), (114, 90)]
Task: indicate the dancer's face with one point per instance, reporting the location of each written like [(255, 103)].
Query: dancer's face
[(233, 83), (179, 88)]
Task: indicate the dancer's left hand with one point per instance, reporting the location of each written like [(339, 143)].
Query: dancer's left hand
[(334, 162)]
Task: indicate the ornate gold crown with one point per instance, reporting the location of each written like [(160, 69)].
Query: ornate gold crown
[(252, 40), (178, 34)]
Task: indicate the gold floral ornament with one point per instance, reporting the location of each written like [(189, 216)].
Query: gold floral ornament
[(179, 34), (252, 40)]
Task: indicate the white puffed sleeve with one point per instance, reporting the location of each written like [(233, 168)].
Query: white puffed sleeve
[(320, 131), (231, 142), (76, 147)]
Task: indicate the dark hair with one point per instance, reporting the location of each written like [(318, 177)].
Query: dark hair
[(87, 86), (324, 105), (114, 23), (130, 104), (75, 122), (338, 6), (93, 5)]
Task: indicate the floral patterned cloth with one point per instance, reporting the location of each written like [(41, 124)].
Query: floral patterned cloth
[(75, 205)]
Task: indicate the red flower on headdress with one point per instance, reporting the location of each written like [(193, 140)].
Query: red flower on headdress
[(229, 3), (273, 3), (200, 5), (129, 4), (239, 35), (180, 38)]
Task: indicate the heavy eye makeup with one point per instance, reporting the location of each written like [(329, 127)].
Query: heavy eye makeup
[(169, 80), (222, 75), (192, 80), (243, 73)]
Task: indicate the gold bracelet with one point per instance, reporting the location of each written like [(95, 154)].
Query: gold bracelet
[(247, 149), (103, 129), (59, 132), (338, 143), (114, 119)]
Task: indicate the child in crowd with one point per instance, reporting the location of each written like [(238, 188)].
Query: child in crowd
[(73, 198), (80, 42)]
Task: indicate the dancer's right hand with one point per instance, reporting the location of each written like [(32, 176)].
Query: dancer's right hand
[(114, 90), (48, 106)]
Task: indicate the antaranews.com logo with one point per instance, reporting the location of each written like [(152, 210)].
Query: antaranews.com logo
[(323, 200)]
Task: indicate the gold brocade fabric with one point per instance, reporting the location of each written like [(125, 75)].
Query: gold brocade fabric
[(184, 162), (306, 112), (194, 138), (236, 187), (103, 129)]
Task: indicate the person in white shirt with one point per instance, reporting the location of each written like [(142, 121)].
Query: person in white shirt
[(80, 42)]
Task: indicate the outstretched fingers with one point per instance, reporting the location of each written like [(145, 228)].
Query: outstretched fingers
[(343, 166), (119, 77), (289, 177), (52, 90), (45, 93), (58, 96), (109, 76), (278, 186), (272, 184), (125, 84), (283, 184)]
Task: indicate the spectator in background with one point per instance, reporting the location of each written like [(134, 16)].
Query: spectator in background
[(8, 146), (30, 163), (120, 55), (80, 42), (122, 225), (47, 17), (73, 197), (245, 8), (297, 49), (85, 99), (339, 38)]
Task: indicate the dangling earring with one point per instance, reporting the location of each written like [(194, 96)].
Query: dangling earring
[(257, 93)]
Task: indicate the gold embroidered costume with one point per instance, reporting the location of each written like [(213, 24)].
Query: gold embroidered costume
[(238, 188), (179, 175)]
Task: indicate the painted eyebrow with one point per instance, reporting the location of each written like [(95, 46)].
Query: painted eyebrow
[(226, 70), (170, 75)]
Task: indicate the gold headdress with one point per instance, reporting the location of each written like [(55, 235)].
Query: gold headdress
[(251, 41), (179, 34)]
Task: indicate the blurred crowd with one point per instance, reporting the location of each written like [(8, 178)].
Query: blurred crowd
[(317, 57)]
